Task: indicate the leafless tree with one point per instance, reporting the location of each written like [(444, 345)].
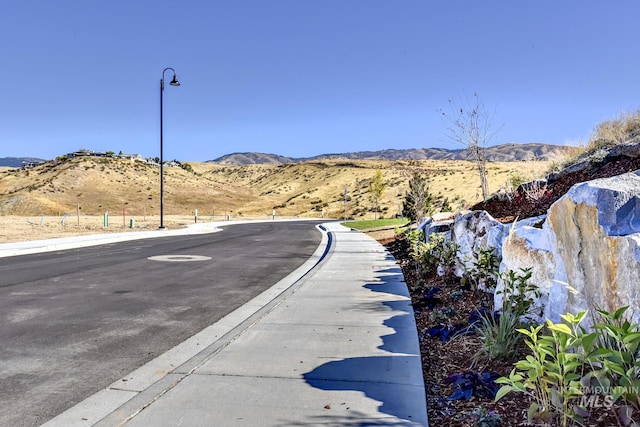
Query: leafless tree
[(469, 123)]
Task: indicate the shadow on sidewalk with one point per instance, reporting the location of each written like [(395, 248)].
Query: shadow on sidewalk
[(352, 419), (388, 379)]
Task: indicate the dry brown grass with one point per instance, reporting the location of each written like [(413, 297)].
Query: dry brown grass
[(15, 228), (305, 189), (615, 131), (606, 134), (92, 186)]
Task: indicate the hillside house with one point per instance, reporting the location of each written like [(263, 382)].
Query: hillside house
[(85, 153), (133, 158), (29, 165)]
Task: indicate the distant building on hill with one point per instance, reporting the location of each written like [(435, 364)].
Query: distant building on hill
[(85, 153), (133, 158), (29, 165)]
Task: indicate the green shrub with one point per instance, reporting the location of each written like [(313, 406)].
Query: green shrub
[(430, 253), (569, 361), (516, 178), (518, 293), (443, 251), (484, 270), (618, 356), (552, 373), (487, 419)]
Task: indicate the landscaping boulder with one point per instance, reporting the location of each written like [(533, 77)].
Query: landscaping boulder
[(474, 230), (524, 247), (596, 226)]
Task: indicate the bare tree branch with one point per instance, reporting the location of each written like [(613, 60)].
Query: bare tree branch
[(470, 124)]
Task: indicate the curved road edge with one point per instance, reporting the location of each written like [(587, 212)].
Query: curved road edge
[(130, 394), (62, 243)]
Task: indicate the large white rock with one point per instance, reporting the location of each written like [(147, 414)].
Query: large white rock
[(597, 245), (472, 231), (585, 256), (528, 247)]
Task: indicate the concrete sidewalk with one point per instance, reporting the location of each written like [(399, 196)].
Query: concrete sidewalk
[(337, 346)]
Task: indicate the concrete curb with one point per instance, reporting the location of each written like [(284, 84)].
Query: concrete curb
[(63, 243)]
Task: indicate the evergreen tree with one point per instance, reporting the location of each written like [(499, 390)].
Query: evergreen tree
[(418, 202)]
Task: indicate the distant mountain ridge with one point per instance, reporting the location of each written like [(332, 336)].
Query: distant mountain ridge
[(252, 159), (16, 162), (500, 153), (497, 153)]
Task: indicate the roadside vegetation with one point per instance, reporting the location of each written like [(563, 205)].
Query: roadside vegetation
[(496, 366), (503, 366), (377, 223)]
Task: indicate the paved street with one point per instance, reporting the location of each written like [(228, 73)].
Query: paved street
[(74, 321)]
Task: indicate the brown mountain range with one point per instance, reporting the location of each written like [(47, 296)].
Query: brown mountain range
[(497, 153)]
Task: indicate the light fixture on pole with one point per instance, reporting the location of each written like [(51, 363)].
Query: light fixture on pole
[(174, 82)]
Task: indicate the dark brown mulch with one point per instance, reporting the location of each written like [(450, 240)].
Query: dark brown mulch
[(439, 359), (442, 359), (523, 207)]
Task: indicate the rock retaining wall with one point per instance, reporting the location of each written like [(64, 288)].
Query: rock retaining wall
[(585, 255)]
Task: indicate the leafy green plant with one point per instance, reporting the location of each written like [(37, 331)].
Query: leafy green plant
[(551, 374), (442, 314), (411, 235), (436, 250), (487, 419), (443, 251), (618, 355), (516, 178), (420, 250), (518, 294), (484, 270)]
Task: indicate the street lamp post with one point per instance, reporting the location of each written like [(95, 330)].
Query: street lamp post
[(174, 82)]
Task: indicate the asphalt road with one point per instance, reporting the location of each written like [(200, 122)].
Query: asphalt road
[(75, 321)]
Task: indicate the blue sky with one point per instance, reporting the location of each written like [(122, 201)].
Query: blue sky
[(307, 77)]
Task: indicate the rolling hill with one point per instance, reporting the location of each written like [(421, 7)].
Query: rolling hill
[(94, 185)]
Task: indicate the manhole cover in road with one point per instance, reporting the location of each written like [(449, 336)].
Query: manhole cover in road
[(179, 258)]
